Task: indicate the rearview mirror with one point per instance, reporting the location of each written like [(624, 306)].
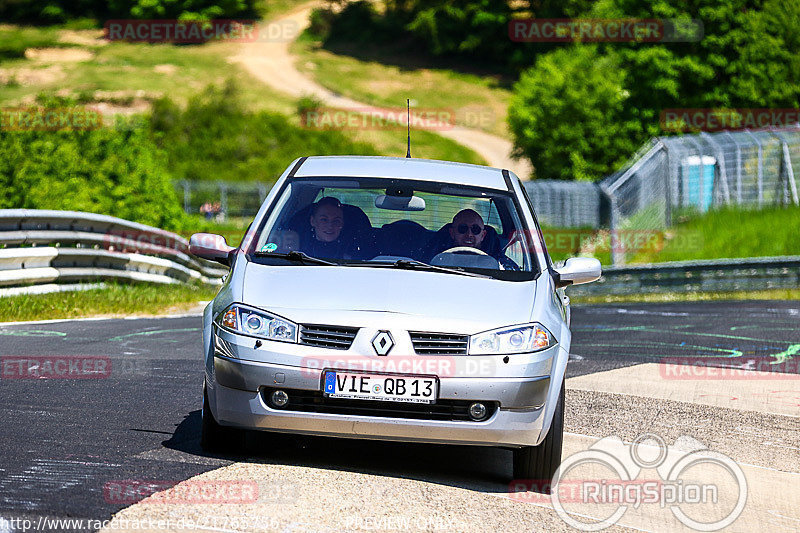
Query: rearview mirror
[(578, 270), (400, 203), (212, 247)]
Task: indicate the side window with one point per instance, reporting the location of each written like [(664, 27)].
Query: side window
[(516, 253)]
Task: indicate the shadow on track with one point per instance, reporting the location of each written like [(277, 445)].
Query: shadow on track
[(478, 468)]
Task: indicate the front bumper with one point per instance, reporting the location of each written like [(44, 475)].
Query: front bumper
[(235, 394)]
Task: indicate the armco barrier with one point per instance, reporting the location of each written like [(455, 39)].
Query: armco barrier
[(44, 246), (719, 275)]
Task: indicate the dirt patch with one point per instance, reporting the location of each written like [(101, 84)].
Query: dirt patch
[(31, 76), (108, 109), (83, 38), (165, 69), (110, 103), (58, 55), (122, 97), (383, 86)]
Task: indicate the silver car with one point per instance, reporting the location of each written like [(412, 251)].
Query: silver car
[(392, 298)]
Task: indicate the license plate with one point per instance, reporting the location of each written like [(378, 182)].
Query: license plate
[(355, 386)]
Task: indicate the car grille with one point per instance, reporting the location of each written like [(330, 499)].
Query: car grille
[(439, 343), (336, 337), (314, 402)]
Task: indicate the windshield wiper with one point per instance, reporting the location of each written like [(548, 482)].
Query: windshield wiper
[(298, 257), (413, 264)]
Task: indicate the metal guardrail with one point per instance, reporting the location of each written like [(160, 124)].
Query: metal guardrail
[(720, 275), (41, 247), (45, 247)]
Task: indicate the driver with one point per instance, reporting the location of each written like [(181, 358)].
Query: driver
[(467, 229)]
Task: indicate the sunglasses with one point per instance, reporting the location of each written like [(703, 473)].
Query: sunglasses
[(463, 228)]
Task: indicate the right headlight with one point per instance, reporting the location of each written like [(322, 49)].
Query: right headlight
[(516, 339), (258, 323)]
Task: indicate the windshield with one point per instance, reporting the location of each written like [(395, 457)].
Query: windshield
[(375, 222)]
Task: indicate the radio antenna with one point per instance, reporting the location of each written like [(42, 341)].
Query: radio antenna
[(408, 127)]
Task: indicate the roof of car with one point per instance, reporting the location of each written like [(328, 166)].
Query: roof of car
[(401, 167)]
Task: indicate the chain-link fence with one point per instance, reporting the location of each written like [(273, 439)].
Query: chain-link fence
[(220, 199), (567, 204), (559, 204), (674, 177)]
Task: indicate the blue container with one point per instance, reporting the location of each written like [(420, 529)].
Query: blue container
[(695, 193)]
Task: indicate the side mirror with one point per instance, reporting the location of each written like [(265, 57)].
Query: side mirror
[(211, 247), (578, 270)]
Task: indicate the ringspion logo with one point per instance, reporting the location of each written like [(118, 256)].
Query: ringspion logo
[(594, 488)]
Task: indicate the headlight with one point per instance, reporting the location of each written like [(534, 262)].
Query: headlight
[(517, 339), (256, 323)]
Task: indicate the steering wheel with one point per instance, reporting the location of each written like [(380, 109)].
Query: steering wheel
[(464, 249)]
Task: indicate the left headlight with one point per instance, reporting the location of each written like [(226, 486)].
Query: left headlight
[(257, 323), (516, 339)]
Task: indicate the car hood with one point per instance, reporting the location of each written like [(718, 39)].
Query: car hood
[(360, 296)]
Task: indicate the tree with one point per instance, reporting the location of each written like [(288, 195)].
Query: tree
[(570, 115)]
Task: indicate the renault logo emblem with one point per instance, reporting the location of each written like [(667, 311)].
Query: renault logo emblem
[(383, 343)]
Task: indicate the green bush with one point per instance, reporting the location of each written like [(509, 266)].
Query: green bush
[(570, 115), (215, 138), (115, 171)]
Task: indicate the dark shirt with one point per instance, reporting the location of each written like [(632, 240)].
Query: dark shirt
[(337, 249)]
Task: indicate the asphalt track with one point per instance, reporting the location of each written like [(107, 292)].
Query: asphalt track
[(64, 442)]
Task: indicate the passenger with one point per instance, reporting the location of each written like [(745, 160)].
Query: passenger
[(327, 222)]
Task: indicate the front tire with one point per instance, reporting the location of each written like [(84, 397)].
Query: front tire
[(213, 436), (539, 463)]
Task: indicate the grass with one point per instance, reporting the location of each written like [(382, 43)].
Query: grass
[(114, 299), (232, 228), (128, 71), (15, 40), (380, 78), (721, 234), (772, 294), (152, 70), (730, 233)]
